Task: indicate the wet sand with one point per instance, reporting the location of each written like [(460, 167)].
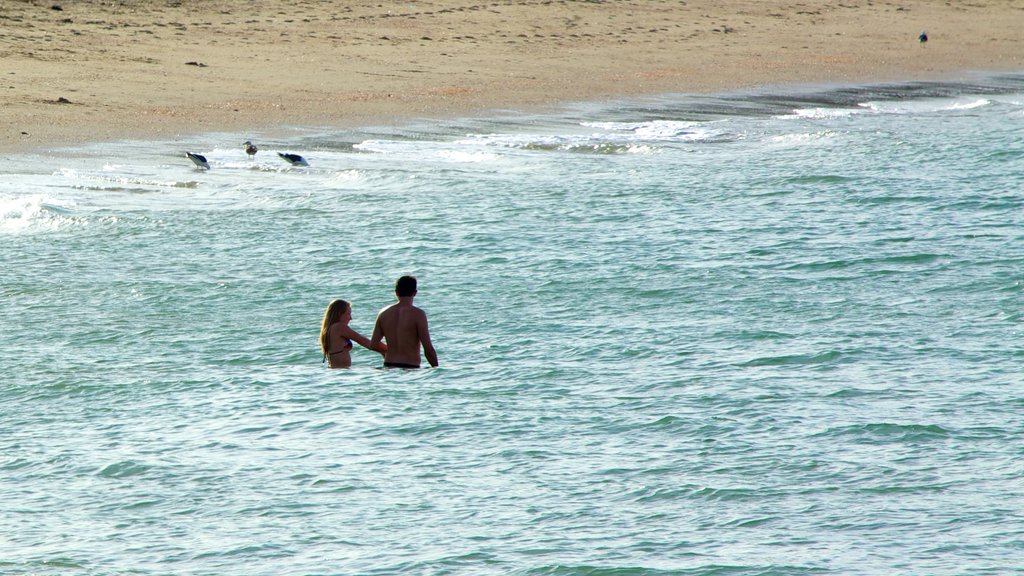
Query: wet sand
[(92, 70)]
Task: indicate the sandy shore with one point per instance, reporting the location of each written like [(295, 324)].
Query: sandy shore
[(87, 70)]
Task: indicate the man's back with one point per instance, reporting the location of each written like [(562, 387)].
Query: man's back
[(405, 329)]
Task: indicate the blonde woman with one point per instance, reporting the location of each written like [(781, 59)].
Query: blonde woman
[(336, 337)]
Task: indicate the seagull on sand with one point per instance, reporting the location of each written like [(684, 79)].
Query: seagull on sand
[(198, 159), (293, 159), (923, 37), (250, 148)]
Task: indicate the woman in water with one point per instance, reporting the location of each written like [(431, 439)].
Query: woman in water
[(336, 337)]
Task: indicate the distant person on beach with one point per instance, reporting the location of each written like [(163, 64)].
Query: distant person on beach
[(336, 337), (404, 328)]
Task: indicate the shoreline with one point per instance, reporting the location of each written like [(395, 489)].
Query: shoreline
[(95, 71)]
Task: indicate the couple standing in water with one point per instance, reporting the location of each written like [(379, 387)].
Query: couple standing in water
[(402, 326)]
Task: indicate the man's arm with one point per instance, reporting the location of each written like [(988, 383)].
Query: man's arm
[(375, 338), (428, 347)]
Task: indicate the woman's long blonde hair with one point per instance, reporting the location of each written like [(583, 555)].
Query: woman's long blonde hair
[(334, 311)]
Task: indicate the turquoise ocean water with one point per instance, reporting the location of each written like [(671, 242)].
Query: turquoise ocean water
[(775, 332)]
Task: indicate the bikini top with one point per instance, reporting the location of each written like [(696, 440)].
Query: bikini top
[(344, 348)]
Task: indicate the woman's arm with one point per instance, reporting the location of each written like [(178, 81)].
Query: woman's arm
[(363, 341)]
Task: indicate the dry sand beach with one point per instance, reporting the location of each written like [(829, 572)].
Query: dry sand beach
[(85, 70)]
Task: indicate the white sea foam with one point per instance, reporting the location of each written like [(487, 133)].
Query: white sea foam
[(655, 131), (819, 113), (461, 156), (925, 106), (970, 104), (32, 213), (802, 138)]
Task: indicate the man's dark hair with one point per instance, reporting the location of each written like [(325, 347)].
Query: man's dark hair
[(405, 286)]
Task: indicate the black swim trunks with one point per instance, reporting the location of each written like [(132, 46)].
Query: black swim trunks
[(399, 365)]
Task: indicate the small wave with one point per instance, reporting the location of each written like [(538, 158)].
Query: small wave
[(650, 494), (49, 564), (141, 504), (924, 258), (904, 489), (656, 494), (17, 464), (894, 240), (886, 431), (670, 422), (252, 550), (844, 393), (751, 334), (1013, 286), (750, 522), (427, 429), (729, 494), (795, 359), (983, 433), (819, 179), (892, 198), (123, 469), (706, 570), (1004, 155), (588, 570), (873, 263)]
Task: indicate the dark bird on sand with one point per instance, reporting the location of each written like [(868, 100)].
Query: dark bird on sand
[(923, 37), (198, 159), (293, 159), (250, 148)]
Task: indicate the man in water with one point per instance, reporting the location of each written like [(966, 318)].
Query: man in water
[(404, 327)]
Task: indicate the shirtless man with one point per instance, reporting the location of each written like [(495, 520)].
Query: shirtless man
[(404, 327)]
